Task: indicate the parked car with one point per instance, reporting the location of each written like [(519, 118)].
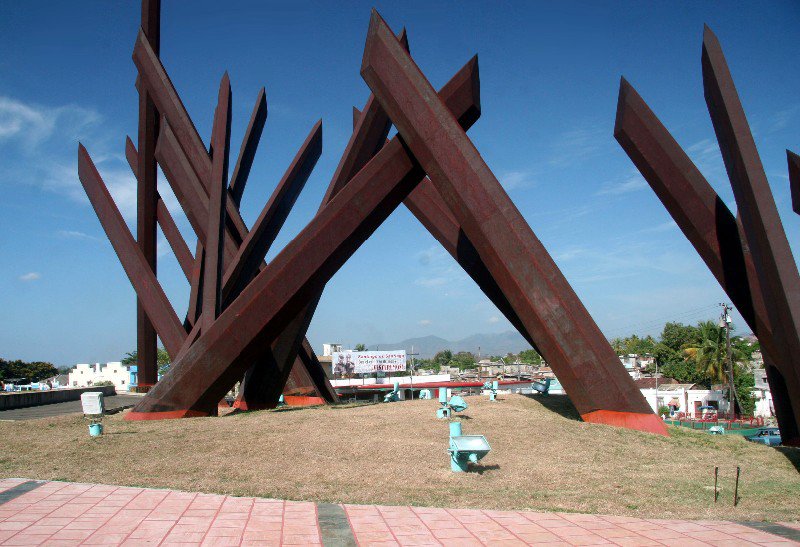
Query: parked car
[(770, 436)]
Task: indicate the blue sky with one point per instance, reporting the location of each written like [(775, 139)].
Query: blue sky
[(549, 82)]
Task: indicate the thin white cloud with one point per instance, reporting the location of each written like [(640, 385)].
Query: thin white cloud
[(494, 319), (515, 180), (74, 234), (425, 322), (633, 183), (30, 276), (576, 145), (431, 281)]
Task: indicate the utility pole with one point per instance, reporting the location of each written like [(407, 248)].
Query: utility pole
[(412, 354), (725, 321)]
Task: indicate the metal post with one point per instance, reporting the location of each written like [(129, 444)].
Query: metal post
[(736, 488)]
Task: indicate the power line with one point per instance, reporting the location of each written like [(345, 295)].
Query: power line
[(640, 326)]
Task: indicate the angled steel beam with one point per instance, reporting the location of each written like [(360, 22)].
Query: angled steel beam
[(256, 244), (156, 80), (165, 220), (192, 197), (462, 97), (761, 223), (279, 293), (215, 236), (709, 225), (146, 342), (247, 153), (570, 341), (148, 289), (196, 288), (317, 374), (174, 238), (356, 116), (462, 94), (794, 179)]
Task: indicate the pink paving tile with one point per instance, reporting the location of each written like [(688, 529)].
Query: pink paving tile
[(566, 531), (221, 541), (301, 540), (26, 539), (553, 523), (449, 533), (684, 541), (539, 537), (461, 542), (185, 537), (710, 535), (15, 526), (660, 533), (367, 537), (588, 539), (757, 536), (611, 533), (417, 539), (634, 541), (409, 530), (79, 535), (105, 539)]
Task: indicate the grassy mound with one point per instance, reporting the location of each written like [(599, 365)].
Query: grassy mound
[(543, 458)]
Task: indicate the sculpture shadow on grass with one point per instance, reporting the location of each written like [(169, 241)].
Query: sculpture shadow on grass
[(560, 404), (791, 454)]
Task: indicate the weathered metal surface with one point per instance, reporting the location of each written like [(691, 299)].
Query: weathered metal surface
[(146, 346), (135, 264), (174, 238), (164, 218), (267, 305), (761, 223), (247, 153), (218, 192), (794, 179), (256, 244), (369, 136), (570, 341), (707, 223)]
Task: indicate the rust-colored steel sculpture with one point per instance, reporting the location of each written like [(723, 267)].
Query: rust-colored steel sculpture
[(146, 215), (248, 319), (749, 255), (794, 179), (569, 339)]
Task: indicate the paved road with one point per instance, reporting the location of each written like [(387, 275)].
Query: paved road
[(63, 513), (70, 407)]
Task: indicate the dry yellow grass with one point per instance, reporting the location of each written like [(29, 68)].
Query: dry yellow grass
[(542, 459)]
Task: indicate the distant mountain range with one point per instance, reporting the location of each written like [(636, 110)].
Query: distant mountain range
[(489, 344)]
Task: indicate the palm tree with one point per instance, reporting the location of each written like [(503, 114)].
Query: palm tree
[(708, 352), (360, 347)]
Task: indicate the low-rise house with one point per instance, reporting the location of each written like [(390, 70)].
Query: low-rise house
[(85, 375)]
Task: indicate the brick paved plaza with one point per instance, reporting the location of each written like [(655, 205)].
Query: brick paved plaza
[(61, 513)]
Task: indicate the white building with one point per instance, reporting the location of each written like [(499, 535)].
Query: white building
[(683, 398), (329, 349), (85, 375), (763, 396)]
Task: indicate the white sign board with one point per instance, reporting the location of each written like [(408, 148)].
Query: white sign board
[(92, 402), (367, 362)]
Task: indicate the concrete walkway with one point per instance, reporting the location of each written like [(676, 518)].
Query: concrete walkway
[(112, 403), (60, 513)]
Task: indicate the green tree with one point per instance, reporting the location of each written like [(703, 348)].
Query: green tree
[(530, 356), (744, 382), (32, 372), (360, 347), (162, 359), (677, 335), (464, 360), (443, 358), (709, 352)]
